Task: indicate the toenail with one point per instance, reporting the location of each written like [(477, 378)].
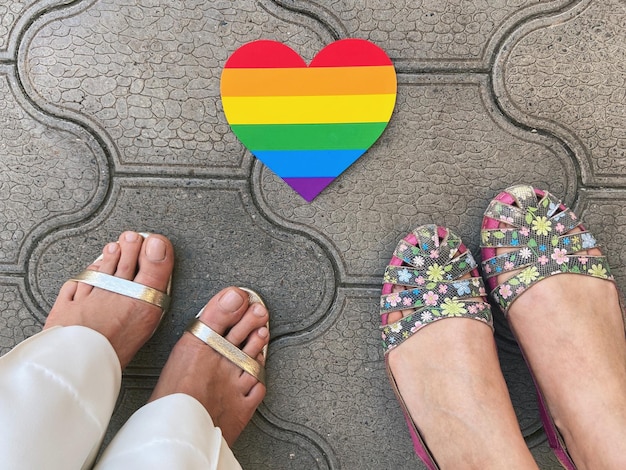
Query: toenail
[(155, 249), (263, 332), (112, 247), (131, 236), (231, 300), (258, 310)]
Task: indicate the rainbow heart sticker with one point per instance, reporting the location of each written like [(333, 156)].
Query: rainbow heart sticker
[(308, 124)]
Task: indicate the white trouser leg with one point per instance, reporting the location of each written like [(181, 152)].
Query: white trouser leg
[(57, 393), (173, 432)]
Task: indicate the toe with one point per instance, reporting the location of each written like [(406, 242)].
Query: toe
[(255, 317), (130, 246), (256, 341), (248, 385), (254, 345), (225, 309), (399, 314), (156, 261), (105, 263), (108, 261), (68, 291), (256, 393)]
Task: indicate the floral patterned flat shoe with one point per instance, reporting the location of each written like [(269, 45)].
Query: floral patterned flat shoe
[(539, 243), (430, 264)]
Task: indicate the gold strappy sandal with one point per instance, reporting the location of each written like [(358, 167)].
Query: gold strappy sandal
[(127, 288), (231, 352)]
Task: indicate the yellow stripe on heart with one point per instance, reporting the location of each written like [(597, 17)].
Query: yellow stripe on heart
[(308, 109)]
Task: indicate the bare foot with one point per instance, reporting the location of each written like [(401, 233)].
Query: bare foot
[(127, 323), (229, 395), (449, 376), (571, 330)]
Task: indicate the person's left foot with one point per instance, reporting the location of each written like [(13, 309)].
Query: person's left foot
[(229, 394), (126, 322)]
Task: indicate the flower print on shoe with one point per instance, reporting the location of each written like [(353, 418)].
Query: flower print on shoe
[(539, 242)]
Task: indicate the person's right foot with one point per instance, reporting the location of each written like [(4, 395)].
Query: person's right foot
[(571, 329)]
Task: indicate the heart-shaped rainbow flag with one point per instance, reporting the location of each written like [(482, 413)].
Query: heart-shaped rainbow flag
[(308, 124)]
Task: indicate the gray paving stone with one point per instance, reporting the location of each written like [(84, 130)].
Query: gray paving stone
[(291, 446), (11, 11), (443, 34), (50, 173), (566, 74), (339, 368)]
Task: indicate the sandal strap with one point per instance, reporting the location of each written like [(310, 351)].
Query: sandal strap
[(396, 333), (514, 238), (415, 274), (595, 266), (432, 295), (523, 216), (535, 250), (124, 287), (231, 352), (429, 250)]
